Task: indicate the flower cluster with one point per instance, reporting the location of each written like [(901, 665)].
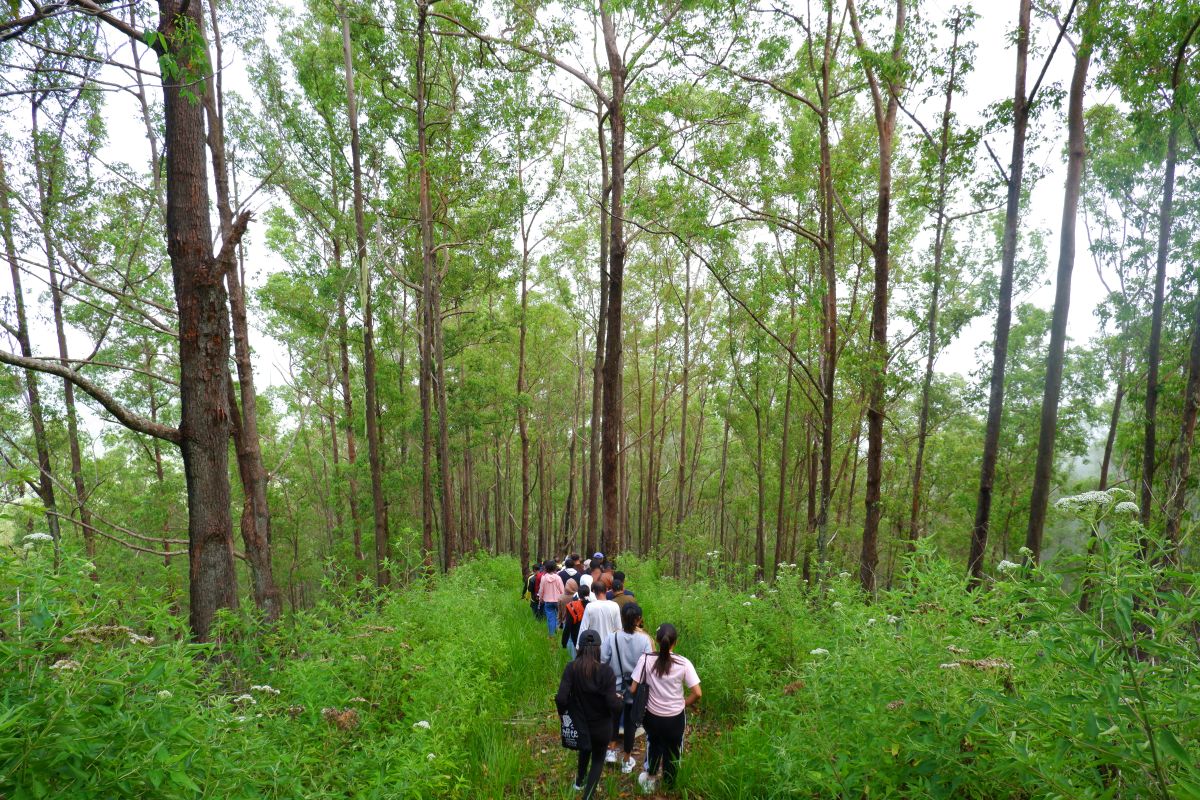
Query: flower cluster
[(265, 689), (818, 651), (1007, 566), (1092, 507), (66, 665), (99, 634)]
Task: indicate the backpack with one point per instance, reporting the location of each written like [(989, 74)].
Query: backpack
[(575, 611), (537, 581)]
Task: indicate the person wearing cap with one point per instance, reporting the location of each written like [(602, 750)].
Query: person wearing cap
[(588, 692)]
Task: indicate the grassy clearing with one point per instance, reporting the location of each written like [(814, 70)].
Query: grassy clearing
[(444, 690)]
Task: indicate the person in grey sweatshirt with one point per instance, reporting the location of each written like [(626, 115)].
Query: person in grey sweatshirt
[(621, 651)]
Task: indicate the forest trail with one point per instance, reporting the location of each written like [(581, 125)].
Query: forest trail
[(555, 765)]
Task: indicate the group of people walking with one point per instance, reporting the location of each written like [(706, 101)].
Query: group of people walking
[(587, 607)]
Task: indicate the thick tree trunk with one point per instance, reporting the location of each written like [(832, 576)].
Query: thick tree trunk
[(1040, 496), (1008, 260), (205, 416), (383, 575)]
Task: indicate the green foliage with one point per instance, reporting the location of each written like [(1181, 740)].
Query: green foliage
[(380, 699)]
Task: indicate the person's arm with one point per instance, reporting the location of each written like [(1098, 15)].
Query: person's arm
[(692, 681), (564, 690)]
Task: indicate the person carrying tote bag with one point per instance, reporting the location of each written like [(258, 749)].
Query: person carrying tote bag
[(587, 695), (662, 678)]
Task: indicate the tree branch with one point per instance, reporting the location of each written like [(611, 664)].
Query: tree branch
[(134, 422)]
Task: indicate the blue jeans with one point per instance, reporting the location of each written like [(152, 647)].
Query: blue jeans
[(552, 618), (571, 648)]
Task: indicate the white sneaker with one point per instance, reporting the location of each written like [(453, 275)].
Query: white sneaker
[(628, 766), (575, 787), (611, 756), (648, 782)]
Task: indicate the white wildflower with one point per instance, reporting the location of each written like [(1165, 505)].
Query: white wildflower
[(747, 604), (1032, 633), (1007, 566), (137, 638), (165, 694), (892, 619), (1025, 551), (951, 665), (772, 591), (843, 574), (753, 597), (793, 566), (38, 537), (357, 700), (423, 724), (66, 665), (241, 718), (245, 698), (836, 605), (818, 651), (1127, 507), (265, 689), (431, 757), (871, 621)]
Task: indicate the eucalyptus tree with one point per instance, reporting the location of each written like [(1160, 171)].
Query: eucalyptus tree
[(1040, 496), (201, 300)]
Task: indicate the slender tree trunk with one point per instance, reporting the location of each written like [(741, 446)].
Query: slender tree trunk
[(449, 528), (829, 342), (348, 410), (1149, 457), (1178, 496), (48, 198), (1040, 496), (885, 118), (591, 533), (383, 575), (681, 477), (1008, 259), (612, 422), (45, 484), (1111, 440), (931, 328), (256, 517)]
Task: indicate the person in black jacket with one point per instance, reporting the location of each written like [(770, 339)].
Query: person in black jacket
[(588, 691)]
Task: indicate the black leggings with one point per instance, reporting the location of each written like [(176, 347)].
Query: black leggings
[(599, 735), (630, 728), (664, 736)]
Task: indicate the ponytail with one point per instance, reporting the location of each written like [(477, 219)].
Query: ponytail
[(666, 635)]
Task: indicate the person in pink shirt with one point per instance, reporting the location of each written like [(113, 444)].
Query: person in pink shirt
[(550, 590), (665, 676)]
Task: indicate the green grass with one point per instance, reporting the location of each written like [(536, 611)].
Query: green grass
[(1064, 710)]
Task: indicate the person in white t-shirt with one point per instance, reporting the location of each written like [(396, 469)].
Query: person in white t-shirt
[(600, 615), (665, 676)]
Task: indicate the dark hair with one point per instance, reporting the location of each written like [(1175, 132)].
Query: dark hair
[(598, 586), (619, 575), (587, 656), (584, 591), (549, 566), (617, 584), (631, 614), (666, 636)]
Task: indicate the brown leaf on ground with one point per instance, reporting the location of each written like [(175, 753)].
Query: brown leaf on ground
[(793, 687)]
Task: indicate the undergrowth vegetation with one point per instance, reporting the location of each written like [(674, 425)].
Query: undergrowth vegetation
[(443, 690)]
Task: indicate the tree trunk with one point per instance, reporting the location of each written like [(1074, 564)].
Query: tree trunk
[(256, 517), (612, 422), (1040, 496), (383, 575), (348, 410), (1111, 440), (885, 119), (1178, 496), (1008, 259), (203, 339), (931, 330)]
